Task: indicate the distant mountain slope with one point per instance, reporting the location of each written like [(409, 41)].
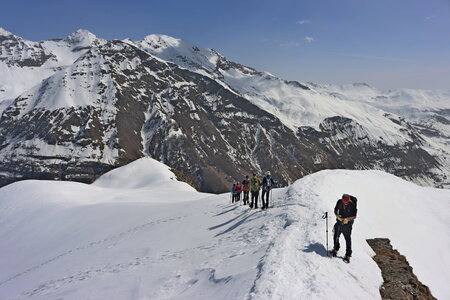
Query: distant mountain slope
[(427, 111), (24, 63), (138, 233), (210, 119)]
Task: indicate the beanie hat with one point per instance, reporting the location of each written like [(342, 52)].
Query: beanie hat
[(346, 198)]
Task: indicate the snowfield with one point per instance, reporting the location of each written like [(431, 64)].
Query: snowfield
[(137, 233)]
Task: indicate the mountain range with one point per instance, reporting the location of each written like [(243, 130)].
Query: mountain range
[(77, 107)]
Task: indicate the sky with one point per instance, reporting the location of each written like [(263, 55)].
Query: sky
[(386, 43)]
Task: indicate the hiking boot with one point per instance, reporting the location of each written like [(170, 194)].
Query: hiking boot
[(346, 259), (333, 252)]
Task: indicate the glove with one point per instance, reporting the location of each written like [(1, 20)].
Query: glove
[(345, 220)]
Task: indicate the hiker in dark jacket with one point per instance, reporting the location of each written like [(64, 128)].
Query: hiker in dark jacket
[(246, 188), (267, 185), (345, 212)]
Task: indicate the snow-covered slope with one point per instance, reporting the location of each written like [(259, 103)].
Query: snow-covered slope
[(428, 111), (128, 236), (24, 64), (296, 104), (145, 173), (180, 52)]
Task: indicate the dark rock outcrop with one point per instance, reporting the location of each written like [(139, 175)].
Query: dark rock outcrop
[(399, 279)]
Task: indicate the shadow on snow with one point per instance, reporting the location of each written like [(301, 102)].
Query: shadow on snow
[(316, 248), (244, 217)]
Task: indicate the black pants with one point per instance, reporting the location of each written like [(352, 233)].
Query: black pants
[(245, 197), (254, 202), (346, 230), (265, 200), (234, 198)]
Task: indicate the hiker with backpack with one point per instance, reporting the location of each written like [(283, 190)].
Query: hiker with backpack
[(246, 189), (238, 191), (255, 186), (233, 193), (345, 211), (267, 184)]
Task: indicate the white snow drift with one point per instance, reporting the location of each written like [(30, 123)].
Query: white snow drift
[(137, 233)]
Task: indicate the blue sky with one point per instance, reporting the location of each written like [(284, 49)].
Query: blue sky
[(386, 43)]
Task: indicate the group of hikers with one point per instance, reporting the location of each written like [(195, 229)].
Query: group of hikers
[(253, 186), (345, 209)]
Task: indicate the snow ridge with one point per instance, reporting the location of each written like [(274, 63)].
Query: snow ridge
[(201, 246)]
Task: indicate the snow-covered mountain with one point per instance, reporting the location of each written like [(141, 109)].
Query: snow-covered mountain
[(97, 104), (24, 64), (138, 233)]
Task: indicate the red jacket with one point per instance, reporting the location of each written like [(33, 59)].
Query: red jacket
[(238, 188), (246, 184)]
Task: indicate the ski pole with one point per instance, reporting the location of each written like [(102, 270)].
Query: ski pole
[(325, 216)]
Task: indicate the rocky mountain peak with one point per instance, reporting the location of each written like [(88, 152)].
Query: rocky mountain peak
[(182, 53), (161, 41), (16, 51), (8, 39), (361, 84), (82, 37), (4, 32)]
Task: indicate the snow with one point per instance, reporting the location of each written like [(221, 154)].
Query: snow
[(180, 51), (4, 32), (64, 89), (137, 233), (148, 174), (297, 107), (82, 38), (175, 133), (423, 108), (15, 80), (288, 101)]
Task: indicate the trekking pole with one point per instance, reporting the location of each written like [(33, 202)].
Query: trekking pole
[(325, 216)]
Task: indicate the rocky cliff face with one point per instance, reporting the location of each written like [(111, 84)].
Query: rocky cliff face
[(212, 120)]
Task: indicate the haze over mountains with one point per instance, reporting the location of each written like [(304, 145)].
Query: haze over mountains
[(77, 107)]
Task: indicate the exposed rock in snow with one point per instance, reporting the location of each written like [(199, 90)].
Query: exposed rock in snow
[(399, 279)]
